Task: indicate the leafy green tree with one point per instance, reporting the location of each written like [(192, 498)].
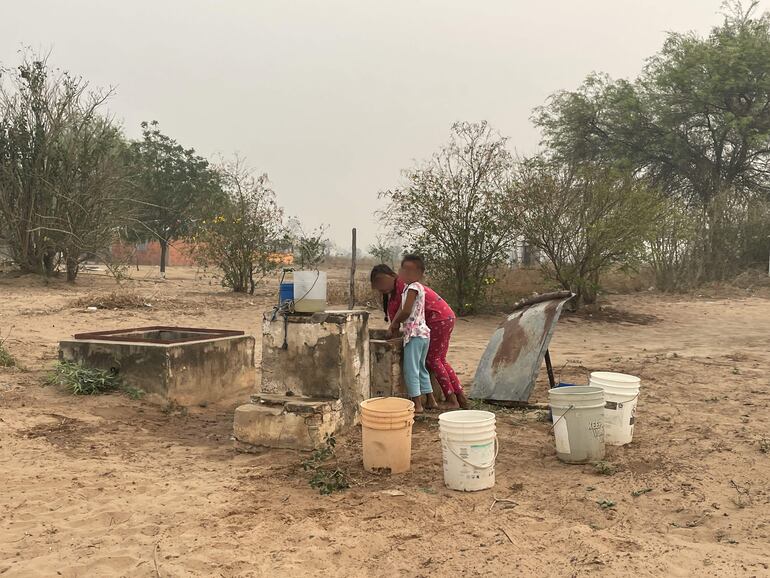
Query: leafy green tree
[(585, 219), (177, 188), (696, 124), (456, 210)]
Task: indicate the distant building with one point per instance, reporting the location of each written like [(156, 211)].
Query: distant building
[(179, 254)]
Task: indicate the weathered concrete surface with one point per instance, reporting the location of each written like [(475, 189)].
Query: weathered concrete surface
[(386, 367), (386, 358), (327, 357), (276, 421), (192, 373)]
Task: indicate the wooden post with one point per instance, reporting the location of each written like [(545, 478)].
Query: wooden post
[(352, 300)]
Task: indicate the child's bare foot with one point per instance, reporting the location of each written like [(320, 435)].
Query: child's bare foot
[(430, 402), (418, 405), (463, 401), (451, 402)]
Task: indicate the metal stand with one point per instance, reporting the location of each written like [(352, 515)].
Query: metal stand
[(549, 367)]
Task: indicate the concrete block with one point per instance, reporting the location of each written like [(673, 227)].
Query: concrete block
[(287, 422), (386, 367), (189, 373), (326, 357), (386, 372)]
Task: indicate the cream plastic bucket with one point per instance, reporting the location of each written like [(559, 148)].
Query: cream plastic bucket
[(578, 423), (621, 394), (469, 446), (386, 432)]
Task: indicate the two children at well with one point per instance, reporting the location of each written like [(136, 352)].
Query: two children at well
[(426, 322)]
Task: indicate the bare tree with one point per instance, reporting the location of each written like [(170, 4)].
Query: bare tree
[(242, 239), (62, 170), (384, 252), (310, 248)]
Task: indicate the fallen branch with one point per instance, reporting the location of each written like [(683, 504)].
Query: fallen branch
[(155, 558), (496, 501), (507, 535)]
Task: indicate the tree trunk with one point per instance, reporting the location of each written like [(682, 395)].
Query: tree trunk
[(163, 256), (72, 268), (49, 263)]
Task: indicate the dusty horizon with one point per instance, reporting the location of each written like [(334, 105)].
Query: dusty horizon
[(334, 100)]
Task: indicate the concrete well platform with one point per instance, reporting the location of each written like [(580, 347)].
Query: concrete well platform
[(326, 356)]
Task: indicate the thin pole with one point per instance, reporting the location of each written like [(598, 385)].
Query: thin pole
[(549, 367), (352, 301)]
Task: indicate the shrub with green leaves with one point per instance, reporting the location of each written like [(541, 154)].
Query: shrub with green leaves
[(80, 380), (324, 479), (6, 359)]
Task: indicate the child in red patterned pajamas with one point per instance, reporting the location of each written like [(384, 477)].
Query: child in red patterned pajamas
[(439, 317)]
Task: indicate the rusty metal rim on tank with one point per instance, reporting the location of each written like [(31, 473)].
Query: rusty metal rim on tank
[(120, 334)]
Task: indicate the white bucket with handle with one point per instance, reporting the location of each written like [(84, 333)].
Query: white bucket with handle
[(469, 446), (578, 423), (621, 394)]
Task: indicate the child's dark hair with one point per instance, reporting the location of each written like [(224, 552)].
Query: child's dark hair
[(382, 269), (416, 259)]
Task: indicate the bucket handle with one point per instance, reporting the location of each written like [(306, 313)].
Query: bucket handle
[(561, 417), (466, 462), (629, 401)]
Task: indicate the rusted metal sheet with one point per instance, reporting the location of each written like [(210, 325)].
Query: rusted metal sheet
[(510, 364)]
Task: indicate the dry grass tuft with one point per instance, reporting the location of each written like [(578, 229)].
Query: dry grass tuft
[(114, 300)]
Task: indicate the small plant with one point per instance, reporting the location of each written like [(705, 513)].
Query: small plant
[(743, 498), (80, 380), (172, 407), (764, 445), (134, 392), (325, 480), (606, 504), (6, 359), (605, 468)]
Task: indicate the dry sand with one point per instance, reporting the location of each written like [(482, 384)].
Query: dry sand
[(109, 486)]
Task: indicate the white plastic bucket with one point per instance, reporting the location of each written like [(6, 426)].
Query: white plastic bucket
[(578, 423), (621, 394), (309, 291), (469, 446)]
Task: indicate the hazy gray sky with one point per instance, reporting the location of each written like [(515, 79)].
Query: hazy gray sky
[(333, 98)]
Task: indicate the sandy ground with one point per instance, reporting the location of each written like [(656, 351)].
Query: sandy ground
[(109, 486)]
